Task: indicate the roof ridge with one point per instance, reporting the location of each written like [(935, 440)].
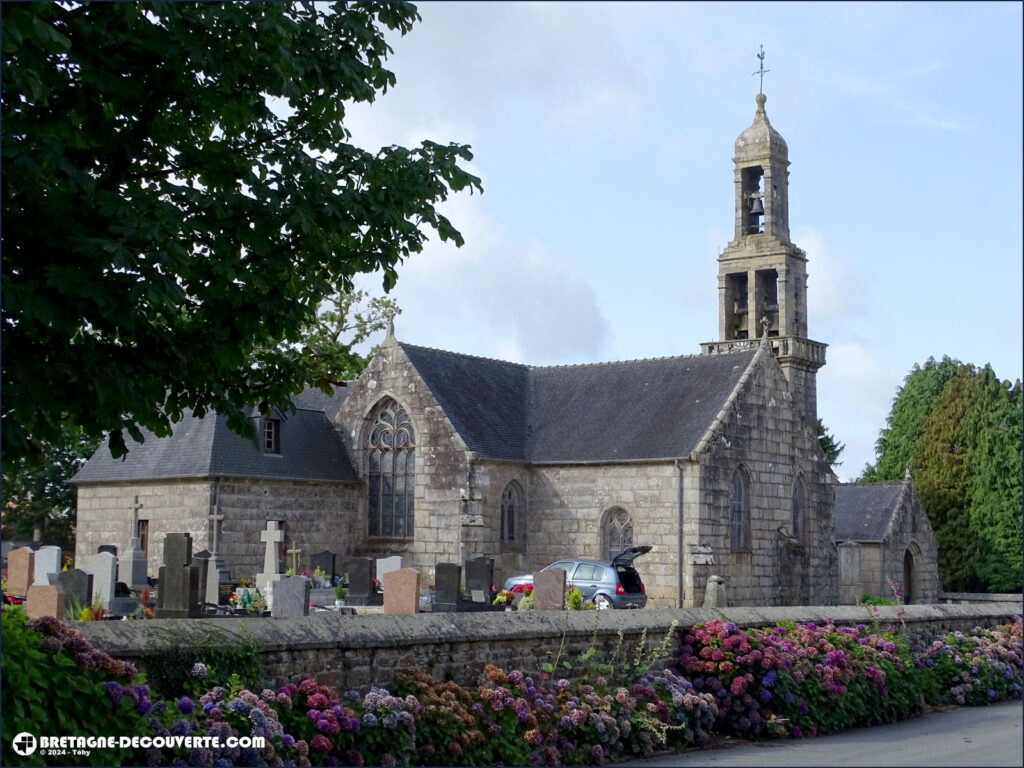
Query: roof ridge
[(697, 355), (873, 483), (464, 355)]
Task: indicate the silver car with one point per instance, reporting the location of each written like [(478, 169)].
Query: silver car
[(614, 584)]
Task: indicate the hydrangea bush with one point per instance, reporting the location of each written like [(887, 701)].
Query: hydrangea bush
[(787, 681)]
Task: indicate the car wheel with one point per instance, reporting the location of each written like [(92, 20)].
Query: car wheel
[(602, 603)]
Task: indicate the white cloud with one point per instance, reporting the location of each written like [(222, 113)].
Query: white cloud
[(834, 291)]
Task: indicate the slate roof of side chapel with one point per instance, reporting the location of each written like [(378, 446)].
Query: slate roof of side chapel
[(311, 450), (624, 411), (864, 510)]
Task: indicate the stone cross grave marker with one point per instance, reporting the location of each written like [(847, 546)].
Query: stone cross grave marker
[(47, 562), (217, 570), (447, 580), (402, 591), (21, 570), (325, 562), (45, 600), (549, 590), (295, 560), (178, 597), (103, 567), (361, 572), (480, 579), (77, 586), (271, 537), (132, 566), (291, 598), (388, 564)]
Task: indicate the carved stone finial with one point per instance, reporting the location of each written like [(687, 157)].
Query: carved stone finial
[(765, 324), (390, 315)]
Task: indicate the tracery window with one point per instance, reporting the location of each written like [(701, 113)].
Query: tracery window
[(618, 532), (739, 520), (391, 472), (513, 515)]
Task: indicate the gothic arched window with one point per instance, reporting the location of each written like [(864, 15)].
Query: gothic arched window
[(391, 471), (799, 509), (618, 532), (513, 515), (739, 518)]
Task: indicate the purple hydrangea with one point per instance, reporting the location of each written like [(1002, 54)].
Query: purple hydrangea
[(186, 705)]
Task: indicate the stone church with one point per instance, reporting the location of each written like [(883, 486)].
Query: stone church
[(437, 456)]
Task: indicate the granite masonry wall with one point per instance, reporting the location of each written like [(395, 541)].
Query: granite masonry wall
[(763, 432), (314, 515), (356, 651)]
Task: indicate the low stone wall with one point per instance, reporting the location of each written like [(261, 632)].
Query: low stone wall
[(978, 597), (347, 651)]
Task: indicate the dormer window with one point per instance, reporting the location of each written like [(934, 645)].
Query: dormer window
[(271, 436)]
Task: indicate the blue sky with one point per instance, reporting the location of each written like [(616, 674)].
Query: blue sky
[(603, 133)]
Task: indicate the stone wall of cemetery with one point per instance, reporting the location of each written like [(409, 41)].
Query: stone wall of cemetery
[(356, 651)]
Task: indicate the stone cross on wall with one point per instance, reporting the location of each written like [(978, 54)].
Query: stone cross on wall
[(295, 559)]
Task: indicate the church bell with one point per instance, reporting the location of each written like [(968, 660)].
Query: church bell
[(756, 208)]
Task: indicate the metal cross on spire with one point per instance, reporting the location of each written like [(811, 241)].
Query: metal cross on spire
[(761, 71)]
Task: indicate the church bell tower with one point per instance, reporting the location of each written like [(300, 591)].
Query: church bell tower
[(762, 275)]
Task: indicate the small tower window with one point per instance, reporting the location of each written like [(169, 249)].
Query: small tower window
[(739, 518), (513, 516)]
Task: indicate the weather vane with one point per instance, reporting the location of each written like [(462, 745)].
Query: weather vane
[(761, 70)]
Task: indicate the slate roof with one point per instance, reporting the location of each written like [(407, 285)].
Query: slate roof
[(310, 450), (623, 411), (864, 510)]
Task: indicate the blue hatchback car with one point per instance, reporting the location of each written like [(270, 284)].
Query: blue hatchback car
[(616, 584)]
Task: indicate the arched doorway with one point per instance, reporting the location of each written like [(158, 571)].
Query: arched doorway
[(908, 577)]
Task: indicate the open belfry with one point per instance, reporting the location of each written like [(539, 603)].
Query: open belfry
[(762, 274)]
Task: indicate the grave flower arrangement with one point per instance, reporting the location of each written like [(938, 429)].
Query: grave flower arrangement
[(504, 597)]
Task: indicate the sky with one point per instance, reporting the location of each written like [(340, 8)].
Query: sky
[(603, 134)]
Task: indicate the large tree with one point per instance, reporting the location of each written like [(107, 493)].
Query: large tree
[(959, 429), (180, 195)]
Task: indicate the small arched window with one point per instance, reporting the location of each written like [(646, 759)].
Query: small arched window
[(618, 532), (391, 471), (739, 519), (513, 515)]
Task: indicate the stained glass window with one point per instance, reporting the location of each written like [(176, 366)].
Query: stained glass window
[(391, 472), (513, 515), (739, 538), (618, 532)]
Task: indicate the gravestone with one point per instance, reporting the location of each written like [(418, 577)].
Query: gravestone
[(45, 600), (447, 580), (388, 564), (714, 593), (361, 572), (47, 562), (549, 590), (103, 567), (325, 562), (201, 560), (77, 586), (132, 566), (480, 579), (123, 606), (271, 537), (402, 591), (21, 570), (291, 598), (107, 548), (178, 597), (6, 547)]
